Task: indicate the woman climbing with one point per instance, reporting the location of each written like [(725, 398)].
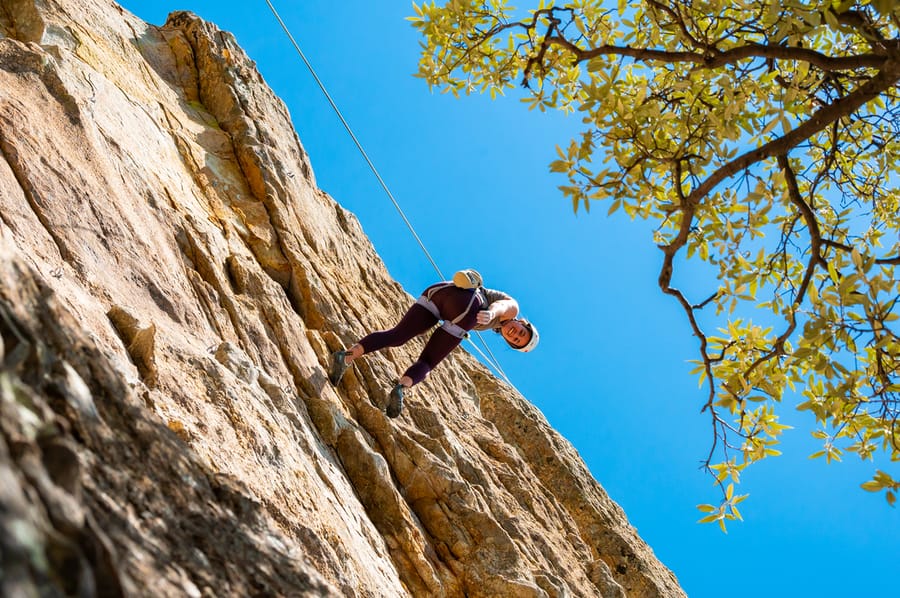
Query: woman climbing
[(462, 305)]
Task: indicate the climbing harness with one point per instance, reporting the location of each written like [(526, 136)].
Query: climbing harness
[(452, 327), (491, 361)]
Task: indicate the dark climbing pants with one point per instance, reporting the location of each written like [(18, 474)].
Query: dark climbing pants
[(450, 302)]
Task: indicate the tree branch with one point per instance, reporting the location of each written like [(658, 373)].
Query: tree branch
[(882, 81), (717, 59), (886, 261), (815, 258), (665, 281), (679, 20)]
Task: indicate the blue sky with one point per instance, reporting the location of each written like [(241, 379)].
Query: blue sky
[(611, 372)]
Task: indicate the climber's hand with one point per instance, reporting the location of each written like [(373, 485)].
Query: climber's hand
[(484, 316)]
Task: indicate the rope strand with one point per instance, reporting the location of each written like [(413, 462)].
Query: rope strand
[(492, 361)]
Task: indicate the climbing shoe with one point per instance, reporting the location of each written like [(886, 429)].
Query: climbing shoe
[(395, 401), (338, 366)]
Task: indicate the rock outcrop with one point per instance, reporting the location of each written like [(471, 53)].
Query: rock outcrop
[(171, 285)]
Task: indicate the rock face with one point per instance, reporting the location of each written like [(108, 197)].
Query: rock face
[(170, 277)]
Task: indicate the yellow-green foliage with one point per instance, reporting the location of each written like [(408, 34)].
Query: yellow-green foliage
[(762, 138)]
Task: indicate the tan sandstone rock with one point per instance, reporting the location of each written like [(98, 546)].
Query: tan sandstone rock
[(172, 282)]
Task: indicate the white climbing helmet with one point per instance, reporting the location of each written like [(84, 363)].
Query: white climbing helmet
[(533, 341)]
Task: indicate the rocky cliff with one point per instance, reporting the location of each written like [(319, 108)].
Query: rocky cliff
[(171, 285)]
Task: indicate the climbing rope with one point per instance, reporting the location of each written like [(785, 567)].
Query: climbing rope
[(491, 361)]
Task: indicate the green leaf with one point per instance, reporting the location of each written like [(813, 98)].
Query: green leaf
[(559, 166), (832, 273), (615, 206), (596, 64), (769, 127), (857, 258)]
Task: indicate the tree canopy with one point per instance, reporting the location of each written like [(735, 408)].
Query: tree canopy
[(761, 138)]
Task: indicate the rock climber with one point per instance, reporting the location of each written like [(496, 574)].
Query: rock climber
[(462, 304)]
